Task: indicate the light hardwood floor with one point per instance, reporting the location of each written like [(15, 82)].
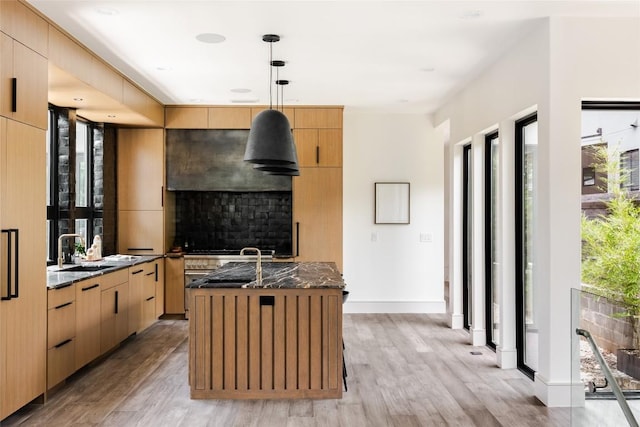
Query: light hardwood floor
[(404, 370)]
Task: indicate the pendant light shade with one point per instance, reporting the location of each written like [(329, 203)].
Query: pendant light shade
[(270, 144), (270, 140)]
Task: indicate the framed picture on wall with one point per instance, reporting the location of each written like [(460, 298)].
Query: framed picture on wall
[(392, 202)]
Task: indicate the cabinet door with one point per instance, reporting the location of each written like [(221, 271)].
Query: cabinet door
[(25, 98), (114, 326), (140, 169), (23, 318), (159, 285), (87, 321), (319, 147), (317, 212), (140, 232), (149, 296), (174, 285), (136, 297)]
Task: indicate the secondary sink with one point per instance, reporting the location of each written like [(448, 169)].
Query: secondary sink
[(87, 268)]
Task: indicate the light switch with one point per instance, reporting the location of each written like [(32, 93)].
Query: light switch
[(374, 237), (426, 237)]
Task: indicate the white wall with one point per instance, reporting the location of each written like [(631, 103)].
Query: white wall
[(397, 272)]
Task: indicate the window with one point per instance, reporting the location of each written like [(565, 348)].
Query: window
[(74, 170), (526, 201), (492, 292), (630, 168)]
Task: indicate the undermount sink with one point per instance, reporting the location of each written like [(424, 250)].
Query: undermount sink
[(87, 268)]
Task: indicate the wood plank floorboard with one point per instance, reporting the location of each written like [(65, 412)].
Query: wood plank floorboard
[(403, 370)]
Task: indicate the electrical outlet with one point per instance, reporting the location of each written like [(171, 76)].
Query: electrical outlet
[(426, 237), (374, 237)]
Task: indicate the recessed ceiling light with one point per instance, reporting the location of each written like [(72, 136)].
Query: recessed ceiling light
[(244, 101), (196, 100), (210, 38), (111, 116), (107, 11), (292, 100), (161, 68), (427, 69), (78, 99), (471, 14), (403, 101), (240, 90)]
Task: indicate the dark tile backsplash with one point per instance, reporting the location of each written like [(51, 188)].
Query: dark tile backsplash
[(233, 220)]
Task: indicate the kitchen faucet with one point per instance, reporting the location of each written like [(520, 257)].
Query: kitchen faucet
[(258, 263), (60, 254)]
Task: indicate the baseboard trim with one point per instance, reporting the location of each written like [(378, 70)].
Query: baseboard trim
[(394, 307)]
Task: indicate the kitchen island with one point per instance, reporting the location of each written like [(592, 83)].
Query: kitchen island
[(280, 338)]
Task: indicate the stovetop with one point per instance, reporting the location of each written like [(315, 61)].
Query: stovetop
[(265, 252)]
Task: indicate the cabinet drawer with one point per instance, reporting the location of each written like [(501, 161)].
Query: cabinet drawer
[(61, 323), (58, 296), (113, 279), (60, 362)]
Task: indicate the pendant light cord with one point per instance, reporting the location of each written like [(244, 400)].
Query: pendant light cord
[(270, 75)]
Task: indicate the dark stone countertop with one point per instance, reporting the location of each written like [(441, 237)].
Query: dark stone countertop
[(283, 275), (61, 277)]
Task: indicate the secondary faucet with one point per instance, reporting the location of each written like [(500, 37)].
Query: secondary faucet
[(60, 254), (258, 263)]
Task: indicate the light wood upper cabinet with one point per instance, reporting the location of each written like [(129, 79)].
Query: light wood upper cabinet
[(24, 25), (140, 169), (289, 112), (229, 118), (318, 147), (318, 118), (186, 117), (25, 98), (23, 318), (141, 232), (317, 215)]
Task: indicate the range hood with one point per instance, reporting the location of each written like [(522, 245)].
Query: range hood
[(212, 160)]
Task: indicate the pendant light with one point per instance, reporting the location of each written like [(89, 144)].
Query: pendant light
[(270, 141)]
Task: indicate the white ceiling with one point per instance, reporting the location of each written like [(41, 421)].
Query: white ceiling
[(393, 55)]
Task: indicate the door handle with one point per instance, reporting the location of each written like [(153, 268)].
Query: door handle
[(13, 263)]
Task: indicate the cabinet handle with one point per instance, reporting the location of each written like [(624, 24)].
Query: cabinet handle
[(267, 300), (156, 268), (297, 239), (150, 273), (65, 342), (90, 287), (138, 271), (63, 305), (66, 285), (162, 196), (12, 267), (116, 302), (317, 154), (150, 298), (139, 249), (14, 95)]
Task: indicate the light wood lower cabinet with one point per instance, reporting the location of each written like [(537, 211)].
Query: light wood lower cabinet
[(88, 294), (136, 283), (159, 285), (114, 324), (148, 296), (61, 334), (265, 343), (174, 285)]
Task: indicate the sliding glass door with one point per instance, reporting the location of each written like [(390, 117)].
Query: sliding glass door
[(526, 199)]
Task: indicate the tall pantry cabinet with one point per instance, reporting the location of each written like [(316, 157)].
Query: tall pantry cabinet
[(23, 121)]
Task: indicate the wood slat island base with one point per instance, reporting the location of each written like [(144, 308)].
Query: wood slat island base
[(265, 343)]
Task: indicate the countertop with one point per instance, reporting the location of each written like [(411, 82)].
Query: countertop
[(284, 275), (57, 277)]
